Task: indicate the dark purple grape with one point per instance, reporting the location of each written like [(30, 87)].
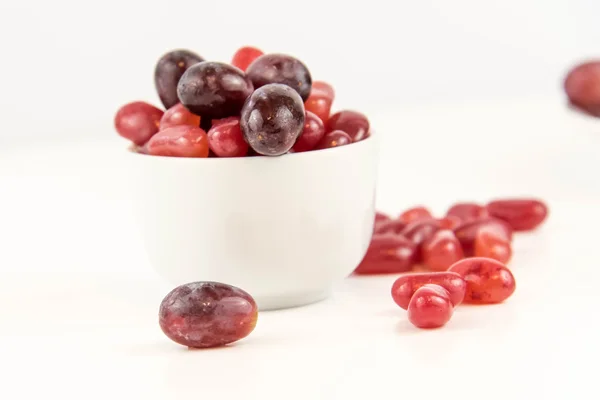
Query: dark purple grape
[(280, 68), (272, 119), (169, 70), (214, 90)]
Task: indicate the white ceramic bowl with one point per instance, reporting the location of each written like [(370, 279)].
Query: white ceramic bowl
[(282, 228)]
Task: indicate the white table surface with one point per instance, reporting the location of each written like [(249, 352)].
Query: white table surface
[(78, 300)]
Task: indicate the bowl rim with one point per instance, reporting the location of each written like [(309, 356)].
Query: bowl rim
[(131, 149)]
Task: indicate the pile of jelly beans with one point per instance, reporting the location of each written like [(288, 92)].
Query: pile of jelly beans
[(259, 104), (465, 252), (464, 255)]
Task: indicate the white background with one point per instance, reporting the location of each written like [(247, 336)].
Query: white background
[(466, 96)]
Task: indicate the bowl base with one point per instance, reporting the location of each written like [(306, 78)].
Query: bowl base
[(281, 302)]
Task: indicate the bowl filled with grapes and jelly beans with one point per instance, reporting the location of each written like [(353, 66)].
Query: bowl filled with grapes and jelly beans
[(245, 176)]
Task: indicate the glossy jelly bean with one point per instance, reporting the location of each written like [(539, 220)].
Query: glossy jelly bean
[(322, 89), (415, 214), (225, 139), (520, 214), (381, 217), (467, 211), (488, 280), (245, 56), (178, 115), (334, 139), (207, 314), (441, 250), (355, 124), (421, 230), (320, 106), (449, 222), (430, 307), (466, 232), (388, 253), (489, 244), (405, 286), (390, 226), (179, 141), (138, 121), (311, 135)]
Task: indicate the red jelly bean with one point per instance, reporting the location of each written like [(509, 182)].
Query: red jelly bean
[(430, 307), (466, 232), (387, 254), (489, 244), (334, 139), (467, 211), (441, 250), (226, 140), (179, 141), (582, 86), (353, 123), (520, 214), (311, 135), (488, 281), (449, 222), (207, 314), (219, 121), (178, 115), (405, 286), (138, 121), (322, 89), (390, 226), (245, 56), (421, 230), (415, 214), (381, 217), (319, 105)]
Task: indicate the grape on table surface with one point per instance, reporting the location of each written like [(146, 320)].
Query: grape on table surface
[(207, 314)]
